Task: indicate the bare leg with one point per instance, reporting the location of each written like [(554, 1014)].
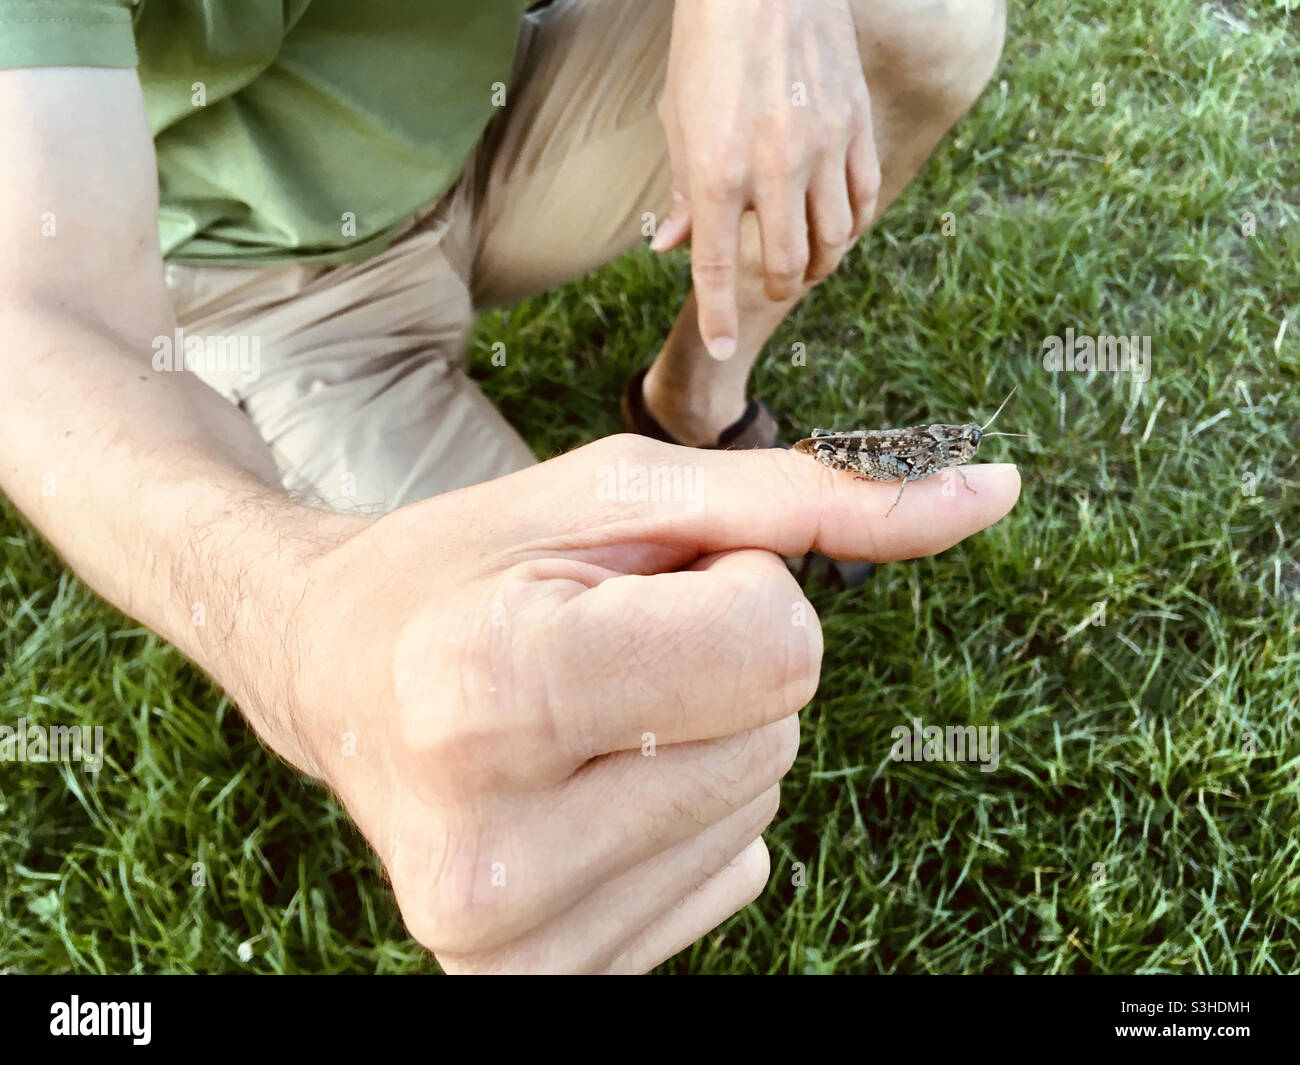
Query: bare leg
[(693, 396)]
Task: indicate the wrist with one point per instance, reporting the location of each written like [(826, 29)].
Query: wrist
[(243, 581)]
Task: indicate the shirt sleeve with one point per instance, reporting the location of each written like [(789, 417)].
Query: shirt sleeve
[(67, 33)]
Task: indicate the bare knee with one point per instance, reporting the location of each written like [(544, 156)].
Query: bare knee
[(936, 54)]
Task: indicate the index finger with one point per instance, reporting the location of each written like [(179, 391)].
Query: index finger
[(677, 657), (715, 248)]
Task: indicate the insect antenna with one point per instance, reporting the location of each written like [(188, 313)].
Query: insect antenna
[(997, 412)]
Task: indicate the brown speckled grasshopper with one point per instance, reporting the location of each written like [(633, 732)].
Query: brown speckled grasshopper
[(900, 454)]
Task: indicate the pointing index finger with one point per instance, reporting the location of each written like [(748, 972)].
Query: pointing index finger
[(715, 247)]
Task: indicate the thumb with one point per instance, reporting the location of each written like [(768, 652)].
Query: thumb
[(640, 505), (677, 226), (674, 229)]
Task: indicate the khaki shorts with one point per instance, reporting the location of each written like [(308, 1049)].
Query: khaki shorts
[(359, 388)]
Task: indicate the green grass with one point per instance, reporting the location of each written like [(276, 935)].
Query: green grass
[(1145, 816)]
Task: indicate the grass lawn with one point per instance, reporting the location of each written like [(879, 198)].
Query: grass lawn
[(1145, 812)]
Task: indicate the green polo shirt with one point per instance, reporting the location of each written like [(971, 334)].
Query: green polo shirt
[(289, 129)]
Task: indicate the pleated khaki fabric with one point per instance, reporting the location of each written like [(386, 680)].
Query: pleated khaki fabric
[(358, 385)]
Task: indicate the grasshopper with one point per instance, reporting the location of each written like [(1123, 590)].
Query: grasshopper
[(900, 454)]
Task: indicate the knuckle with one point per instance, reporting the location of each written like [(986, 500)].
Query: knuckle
[(854, 113), (470, 740), (862, 217), (755, 870), (779, 748), (776, 149), (786, 265), (803, 667), (421, 735), (835, 236), (832, 135), (748, 594), (443, 888), (446, 743), (771, 807), (427, 927), (448, 916), (424, 928), (722, 177), (766, 807), (781, 162), (417, 729), (735, 769), (826, 260), (765, 756), (713, 272), (870, 181), (785, 746), (784, 288)]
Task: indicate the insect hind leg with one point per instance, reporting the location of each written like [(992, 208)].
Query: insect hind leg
[(905, 474), (901, 486)]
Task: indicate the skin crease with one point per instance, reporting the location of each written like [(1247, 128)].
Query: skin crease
[(474, 675)]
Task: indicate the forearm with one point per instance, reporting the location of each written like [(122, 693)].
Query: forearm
[(157, 492), (161, 496)]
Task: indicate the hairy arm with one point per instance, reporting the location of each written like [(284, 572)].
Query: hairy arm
[(156, 490), (474, 747)]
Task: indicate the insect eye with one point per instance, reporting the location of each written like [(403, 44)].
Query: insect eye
[(976, 435), (821, 432)]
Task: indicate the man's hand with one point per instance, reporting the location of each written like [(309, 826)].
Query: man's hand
[(481, 677), (560, 717), (765, 111)]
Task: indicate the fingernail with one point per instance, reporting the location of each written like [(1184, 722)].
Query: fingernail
[(722, 348)]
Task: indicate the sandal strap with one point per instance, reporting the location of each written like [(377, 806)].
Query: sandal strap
[(756, 428), (638, 415)]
